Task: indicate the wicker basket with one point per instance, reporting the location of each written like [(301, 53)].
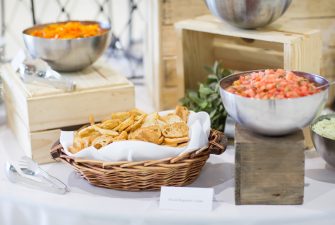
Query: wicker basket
[(145, 175)]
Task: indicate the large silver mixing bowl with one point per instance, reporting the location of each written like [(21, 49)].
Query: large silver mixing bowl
[(248, 14), (274, 117), (325, 146), (68, 54)]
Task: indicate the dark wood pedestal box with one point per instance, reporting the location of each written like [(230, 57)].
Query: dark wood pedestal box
[(269, 170)]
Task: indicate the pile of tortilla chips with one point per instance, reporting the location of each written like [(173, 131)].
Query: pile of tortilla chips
[(170, 130)]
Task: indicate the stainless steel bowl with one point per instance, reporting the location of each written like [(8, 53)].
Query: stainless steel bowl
[(325, 146), (273, 117), (68, 54), (248, 14)]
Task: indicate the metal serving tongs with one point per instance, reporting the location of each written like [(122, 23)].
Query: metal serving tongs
[(19, 175), (38, 70), (30, 167)]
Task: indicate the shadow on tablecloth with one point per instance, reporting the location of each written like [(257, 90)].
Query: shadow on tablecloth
[(324, 175)]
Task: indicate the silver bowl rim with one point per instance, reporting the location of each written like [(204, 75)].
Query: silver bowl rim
[(246, 26), (269, 100), (319, 118), (106, 28)]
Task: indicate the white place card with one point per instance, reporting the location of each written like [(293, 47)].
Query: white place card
[(186, 199), (18, 60)]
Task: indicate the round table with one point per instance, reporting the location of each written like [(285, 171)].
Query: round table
[(86, 204)]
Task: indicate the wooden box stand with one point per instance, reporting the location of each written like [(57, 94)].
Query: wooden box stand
[(36, 112), (269, 170)]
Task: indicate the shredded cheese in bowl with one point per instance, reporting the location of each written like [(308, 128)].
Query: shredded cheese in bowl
[(325, 128), (68, 30)]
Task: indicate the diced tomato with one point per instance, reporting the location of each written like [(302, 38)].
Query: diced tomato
[(272, 84)]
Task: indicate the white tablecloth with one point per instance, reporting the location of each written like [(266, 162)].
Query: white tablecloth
[(86, 204)]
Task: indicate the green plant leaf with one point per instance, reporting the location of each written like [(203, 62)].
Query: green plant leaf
[(207, 97), (203, 90)]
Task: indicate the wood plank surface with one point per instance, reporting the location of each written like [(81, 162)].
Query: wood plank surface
[(268, 170), (244, 58), (169, 68), (176, 10), (161, 44), (41, 143), (171, 96), (35, 144), (205, 39), (169, 41), (43, 107), (301, 15), (17, 126), (73, 109), (311, 9), (95, 77), (212, 25), (325, 25), (197, 52)]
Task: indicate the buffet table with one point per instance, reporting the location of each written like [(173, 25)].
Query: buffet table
[(86, 204)]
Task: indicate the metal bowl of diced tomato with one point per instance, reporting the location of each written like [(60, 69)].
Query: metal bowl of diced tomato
[(274, 102)]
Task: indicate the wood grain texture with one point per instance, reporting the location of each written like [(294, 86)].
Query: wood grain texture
[(268, 170), (91, 78), (197, 52), (34, 144), (161, 76), (36, 112), (311, 9), (72, 109), (17, 126), (205, 39), (243, 58), (240, 49), (302, 14), (169, 68), (169, 41), (310, 14), (41, 142), (169, 98), (176, 10), (43, 107), (212, 25)]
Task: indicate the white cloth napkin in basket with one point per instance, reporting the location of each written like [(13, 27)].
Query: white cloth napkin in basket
[(199, 129)]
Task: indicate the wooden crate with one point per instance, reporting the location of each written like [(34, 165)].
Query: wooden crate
[(206, 39), (269, 170), (161, 46), (36, 112), (161, 40), (203, 40)]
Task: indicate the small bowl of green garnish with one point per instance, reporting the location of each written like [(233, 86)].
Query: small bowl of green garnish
[(323, 136)]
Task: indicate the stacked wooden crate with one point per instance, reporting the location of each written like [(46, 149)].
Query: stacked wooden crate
[(203, 40), (37, 112), (160, 57)]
